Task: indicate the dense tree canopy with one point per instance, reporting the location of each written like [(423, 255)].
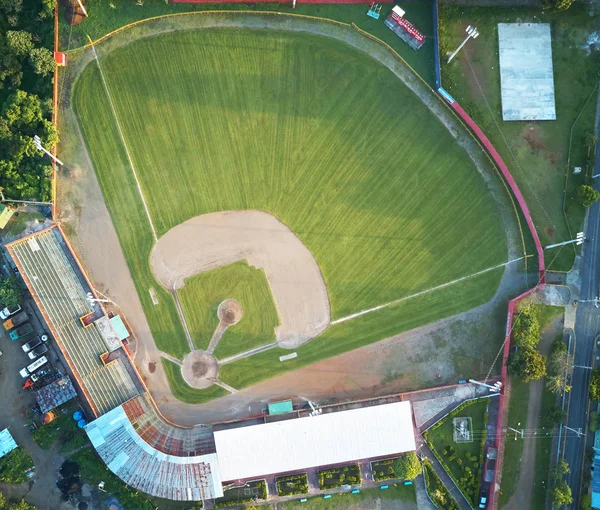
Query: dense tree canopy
[(26, 67), (526, 329), (11, 292), (527, 364), (408, 466)]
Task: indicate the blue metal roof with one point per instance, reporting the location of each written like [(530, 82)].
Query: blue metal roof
[(7, 443)]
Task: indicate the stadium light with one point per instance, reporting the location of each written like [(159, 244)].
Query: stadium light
[(471, 32), (38, 145), (579, 239)]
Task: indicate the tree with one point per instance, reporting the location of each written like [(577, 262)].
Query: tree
[(2, 502), (554, 416), (595, 384), (588, 195), (526, 329), (560, 366), (561, 495), (557, 5), (562, 468), (11, 292), (20, 42), (42, 61), (408, 466), (23, 173), (527, 364)]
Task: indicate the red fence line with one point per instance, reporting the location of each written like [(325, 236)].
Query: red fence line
[(509, 179)]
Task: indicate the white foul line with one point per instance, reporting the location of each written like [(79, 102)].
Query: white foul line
[(433, 289), (114, 112)]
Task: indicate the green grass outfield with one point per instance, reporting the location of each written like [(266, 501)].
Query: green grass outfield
[(312, 131), (202, 294)]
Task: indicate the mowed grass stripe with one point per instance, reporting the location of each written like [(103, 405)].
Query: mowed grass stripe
[(310, 130)]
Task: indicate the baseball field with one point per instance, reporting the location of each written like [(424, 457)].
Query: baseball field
[(306, 130)]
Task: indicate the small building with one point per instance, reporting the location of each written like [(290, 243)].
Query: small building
[(55, 394), (5, 215), (7, 443), (595, 485)]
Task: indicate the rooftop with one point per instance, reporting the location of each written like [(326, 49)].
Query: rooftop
[(134, 447), (7, 443), (327, 439), (60, 290), (55, 394)]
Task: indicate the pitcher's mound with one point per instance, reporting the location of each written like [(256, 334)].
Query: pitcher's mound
[(230, 312), (199, 369)]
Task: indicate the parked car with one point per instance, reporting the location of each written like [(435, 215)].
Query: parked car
[(15, 321), (38, 351), (483, 498), (41, 373), (8, 311), (32, 344), (20, 332)]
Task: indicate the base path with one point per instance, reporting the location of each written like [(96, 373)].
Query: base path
[(217, 239)]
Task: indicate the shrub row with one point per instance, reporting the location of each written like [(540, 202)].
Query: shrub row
[(293, 484), (383, 469), (336, 477)]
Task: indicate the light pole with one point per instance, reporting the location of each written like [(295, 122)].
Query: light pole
[(578, 241), (38, 145), (471, 32)]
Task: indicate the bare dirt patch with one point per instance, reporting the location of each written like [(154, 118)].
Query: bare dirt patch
[(199, 369), (230, 312), (534, 138), (152, 367), (217, 239)]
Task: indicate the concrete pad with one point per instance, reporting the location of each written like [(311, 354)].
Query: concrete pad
[(526, 73)]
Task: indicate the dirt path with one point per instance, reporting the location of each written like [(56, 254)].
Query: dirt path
[(436, 354), (218, 239), (521, 498)]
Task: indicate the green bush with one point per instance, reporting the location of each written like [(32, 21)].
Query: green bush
[(336, 477), (292, 485), (436, 489), (14, 465)]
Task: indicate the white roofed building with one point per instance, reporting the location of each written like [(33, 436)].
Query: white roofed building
[(327, 439)]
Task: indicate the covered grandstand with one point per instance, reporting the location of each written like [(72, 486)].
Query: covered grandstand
[(60, 291), (155, 457)]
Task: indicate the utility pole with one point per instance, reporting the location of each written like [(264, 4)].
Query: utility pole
[(495, 388), (578, 431), (578, 241), (471, 32), (38, 145)]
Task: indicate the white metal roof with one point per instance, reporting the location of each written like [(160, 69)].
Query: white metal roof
[(400, 12), (301, 443)]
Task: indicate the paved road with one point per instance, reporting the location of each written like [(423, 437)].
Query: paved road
[(587, 327)]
